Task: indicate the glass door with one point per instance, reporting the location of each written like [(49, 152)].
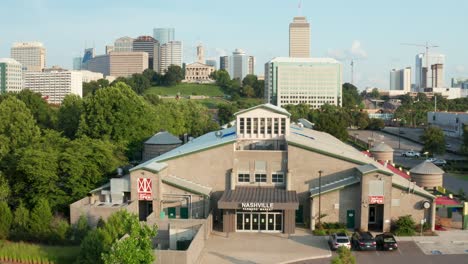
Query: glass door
[(263, 221), (239, 221), (372, 212), (271, 222), (255, 222), (278, 222), (247, 221)]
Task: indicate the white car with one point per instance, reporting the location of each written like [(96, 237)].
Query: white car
[(337, 240), (411, 154), (431, 159), (439, 162)]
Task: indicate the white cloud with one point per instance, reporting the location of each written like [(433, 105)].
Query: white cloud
[(460, 69), (354, 52)]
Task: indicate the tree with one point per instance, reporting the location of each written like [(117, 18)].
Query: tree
[(298, 111), (250, 80), (376, 124), (375, 93), (17, 125), (351, 97), (362, 120), (4, 188), (80, 229), (173, 76), (222, 78), (40, 220), (45, 116), (5, 220), (20, 225), (464, 147), (248, 91), (93, 246), (69, 115), (139, 83), (433, 140), (226, 113), (333, 124)]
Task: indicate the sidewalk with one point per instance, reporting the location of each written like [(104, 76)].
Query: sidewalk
[(250, 248)]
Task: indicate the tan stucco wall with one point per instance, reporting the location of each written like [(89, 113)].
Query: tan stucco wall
[(410, 204)]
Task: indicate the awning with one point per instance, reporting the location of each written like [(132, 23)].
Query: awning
[(259, 198)]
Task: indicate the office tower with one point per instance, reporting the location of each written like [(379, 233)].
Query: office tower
[(240, 64), (164, 35), (119, 64), (211, 63), (401, 79), (437, 75), (251, 65), (77, 63), (31, 55), (88, 76), (88, 54), (123, 44), (109, 49), (200, 54), (170, 54), (423, 72), (54, 85), (299, 38), (312, 81), (224, 64), (11, 76), (151, 46)]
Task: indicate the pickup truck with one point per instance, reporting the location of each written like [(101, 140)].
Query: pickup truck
[(411, 154)]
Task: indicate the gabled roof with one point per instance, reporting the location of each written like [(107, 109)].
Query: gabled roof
[(306, 123), (198, 64), (332, 186), (268, 106), (207, 141), (187, 185), (163, 138), (426, 168)]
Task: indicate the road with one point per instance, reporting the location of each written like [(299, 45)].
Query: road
[(408, 253)]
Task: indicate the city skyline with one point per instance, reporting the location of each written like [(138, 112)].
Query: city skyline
[(363, 31)]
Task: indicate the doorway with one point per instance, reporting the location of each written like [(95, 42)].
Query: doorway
[(350, 216), (375, 219), (259, 221), (145, 208)]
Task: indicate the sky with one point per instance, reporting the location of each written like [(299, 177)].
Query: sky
[(369, 31)]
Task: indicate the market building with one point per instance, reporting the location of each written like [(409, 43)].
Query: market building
[(264, 174)]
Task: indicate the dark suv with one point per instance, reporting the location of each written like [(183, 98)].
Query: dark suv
[(386, 241), (363, 241)]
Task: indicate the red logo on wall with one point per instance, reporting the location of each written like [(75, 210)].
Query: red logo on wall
[(376, 199), (144, 189)]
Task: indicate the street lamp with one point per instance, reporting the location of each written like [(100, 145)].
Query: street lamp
[(320, 198)]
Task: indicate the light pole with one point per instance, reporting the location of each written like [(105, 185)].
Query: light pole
[(320, 199)]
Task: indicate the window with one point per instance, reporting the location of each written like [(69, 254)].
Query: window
[(248, 125), (260, 177), (283, 125), (243, 177), (241, 125), (277, 178), (276, 125)]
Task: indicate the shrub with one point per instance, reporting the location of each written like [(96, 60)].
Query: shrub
[(20, 226), (404, 226), (59, 231), (344, 257), (40, 220), (319, 232)]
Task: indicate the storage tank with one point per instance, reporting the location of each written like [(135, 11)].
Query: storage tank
[(427, 175), (382, 152)]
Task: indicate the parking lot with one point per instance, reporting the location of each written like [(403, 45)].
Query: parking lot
[(407, 253)]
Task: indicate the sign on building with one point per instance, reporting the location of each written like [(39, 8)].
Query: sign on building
[(257, 206), (376, 199), (144, 189)]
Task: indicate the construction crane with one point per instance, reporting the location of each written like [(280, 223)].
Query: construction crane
[(352, 70), (427, 46)]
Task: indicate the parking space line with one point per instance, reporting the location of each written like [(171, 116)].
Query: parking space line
[(399, 251), (377, 252)]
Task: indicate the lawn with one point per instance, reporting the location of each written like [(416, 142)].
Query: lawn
[(36, 253), (186, 89)]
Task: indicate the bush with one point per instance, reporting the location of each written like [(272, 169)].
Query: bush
[(40, 221), (20, 226), (404, 226), (59, 231), (344, 257), (319, 232)]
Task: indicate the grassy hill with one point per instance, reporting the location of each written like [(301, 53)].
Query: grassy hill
[(186, 89)]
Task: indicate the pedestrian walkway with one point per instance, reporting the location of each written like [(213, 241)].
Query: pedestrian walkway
[(252, 248), (446, 242)]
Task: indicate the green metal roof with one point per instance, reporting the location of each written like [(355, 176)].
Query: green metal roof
[(163, 138)]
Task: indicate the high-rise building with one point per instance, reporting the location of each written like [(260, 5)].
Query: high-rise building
[(312, 81), (423, 73), (31, 55), (11, 76), (151, 46), (437, 75), (200, 54), (401, 79), (119, 64), (170, 54), (164, 35), (77, 63), (88, 54), (251, 65), (224, 64), (54, 85), (123, 44), (211, 63), (299, 38), (240, 64)]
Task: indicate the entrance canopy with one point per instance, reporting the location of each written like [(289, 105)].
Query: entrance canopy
[(259, 199)]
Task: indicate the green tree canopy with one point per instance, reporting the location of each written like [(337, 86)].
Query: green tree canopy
[(5, 220), (174, 75), (44, 114), (139, 83), (40, 220), (433, 140), (222, 78), (226, 113), (4, 188), (69, 115), (20, 225), (351, 97)]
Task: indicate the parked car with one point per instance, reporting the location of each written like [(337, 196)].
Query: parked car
[(411, 154), (363, 241), (448, 145), (339, 240), (386, 241), (431, 159), (439, 162)]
